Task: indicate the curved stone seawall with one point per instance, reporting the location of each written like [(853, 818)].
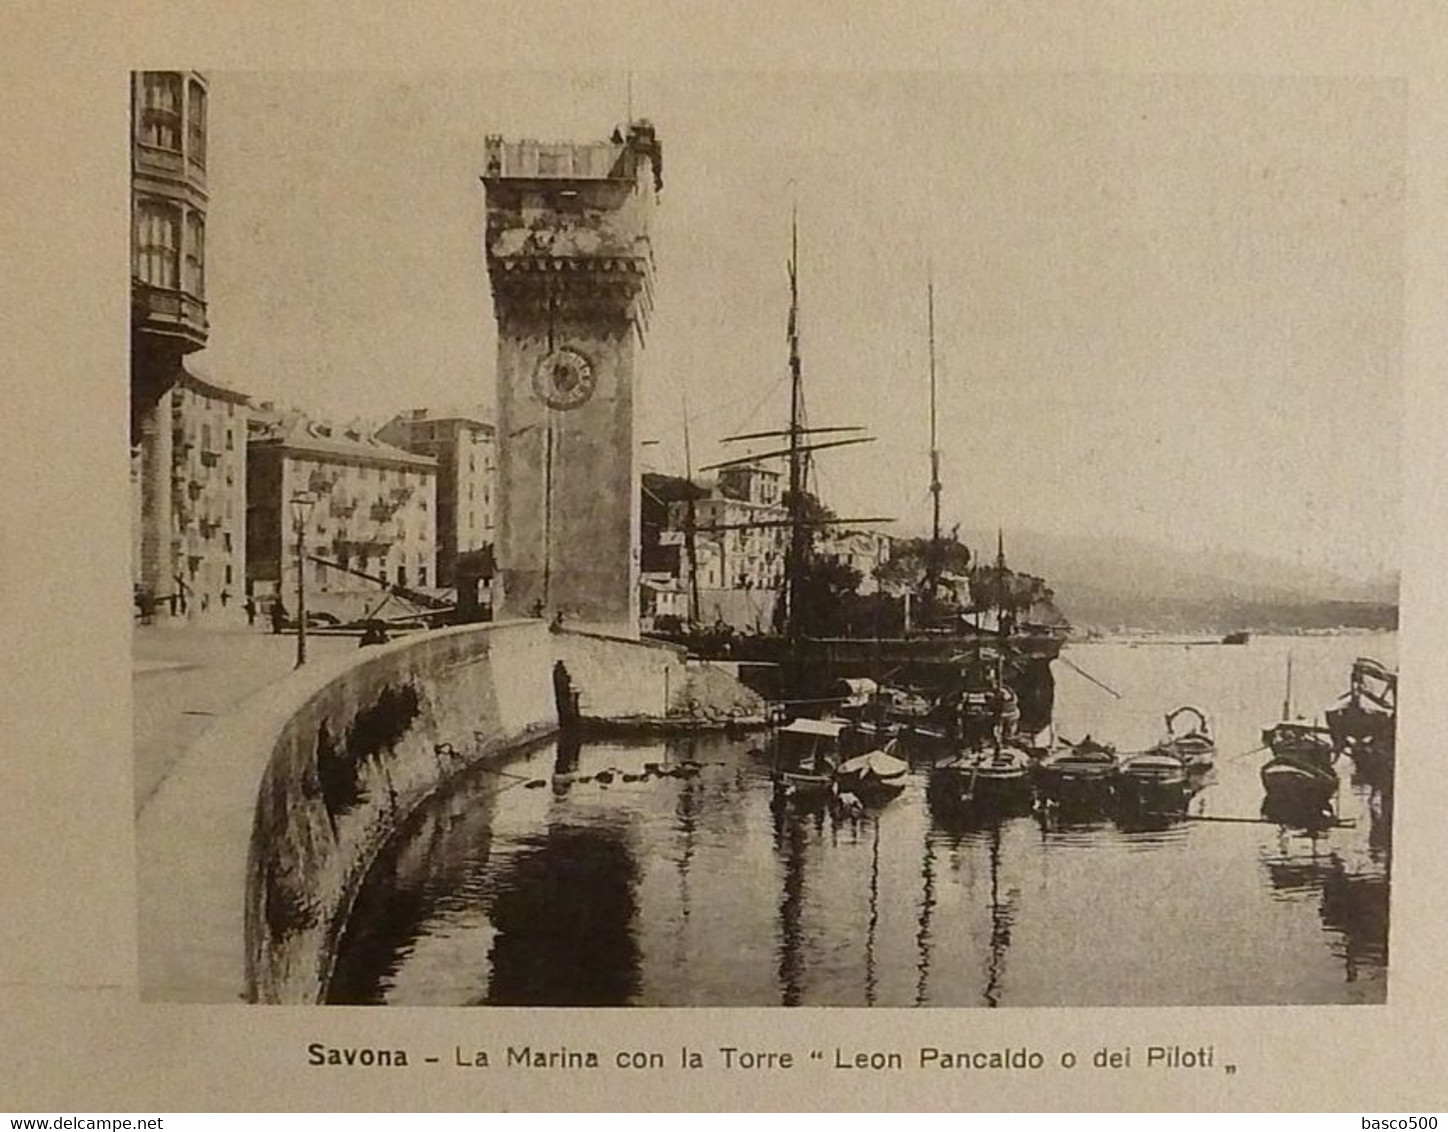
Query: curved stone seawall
[(243, 891)]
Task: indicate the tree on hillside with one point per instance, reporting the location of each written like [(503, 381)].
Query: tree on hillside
[(994, 587), (826, 590), (814, 513), (910, 560)]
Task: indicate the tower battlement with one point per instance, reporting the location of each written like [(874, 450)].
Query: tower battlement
[(568, 225), (618, 159)]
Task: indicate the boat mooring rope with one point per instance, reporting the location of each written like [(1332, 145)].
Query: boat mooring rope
[(1081, 671), (1336, 823)]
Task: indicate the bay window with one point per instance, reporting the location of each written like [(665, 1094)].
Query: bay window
[(160, 123), (156, 256), (195, 281), (196, 123)]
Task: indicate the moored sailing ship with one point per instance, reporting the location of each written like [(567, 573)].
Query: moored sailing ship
[(922, 651)]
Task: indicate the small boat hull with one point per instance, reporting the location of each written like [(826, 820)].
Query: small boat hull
[(997, 781), (1298, 781), (1294, 789), (803, 789), (1366, 737), (1077, 781), (871, 791), (1189, 739), (873, 777), (1153, 783)]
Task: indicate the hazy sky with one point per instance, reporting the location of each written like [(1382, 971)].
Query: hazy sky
[(1165, 309)]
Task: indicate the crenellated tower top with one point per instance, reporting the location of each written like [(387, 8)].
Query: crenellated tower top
[(568, 225)]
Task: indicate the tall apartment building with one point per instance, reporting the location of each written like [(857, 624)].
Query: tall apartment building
[(372, 525), (465, 449), (208, 493)]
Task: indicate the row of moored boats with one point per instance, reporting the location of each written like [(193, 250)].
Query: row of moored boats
[(820, 760), (858, 758)]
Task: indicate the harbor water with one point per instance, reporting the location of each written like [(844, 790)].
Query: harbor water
[(697, 889)]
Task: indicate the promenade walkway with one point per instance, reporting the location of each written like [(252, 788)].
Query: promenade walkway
[(183, 676)]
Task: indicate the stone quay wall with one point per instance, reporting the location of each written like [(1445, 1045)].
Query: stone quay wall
[(244, 891)]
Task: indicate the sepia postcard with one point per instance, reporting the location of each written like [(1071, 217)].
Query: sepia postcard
[(854, 559)]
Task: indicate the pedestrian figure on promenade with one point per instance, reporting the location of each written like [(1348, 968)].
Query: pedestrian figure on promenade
[(225, 597), (374, 634), (278, 616), (249, 608), (171, 598)]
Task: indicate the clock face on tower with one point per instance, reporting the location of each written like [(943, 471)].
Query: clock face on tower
[(564, 379)]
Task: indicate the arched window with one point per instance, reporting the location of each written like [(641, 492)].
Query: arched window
[(160, 122), (156, 255)]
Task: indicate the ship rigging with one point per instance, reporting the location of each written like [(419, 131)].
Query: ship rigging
[(799, 523)]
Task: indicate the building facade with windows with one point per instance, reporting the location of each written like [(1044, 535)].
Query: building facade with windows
[(372, 527), (466, 453), (208, 494), (741, 532), (168, 301), (862, 551), (746, 553)]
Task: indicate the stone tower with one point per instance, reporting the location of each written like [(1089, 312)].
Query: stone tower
[(571, 270)]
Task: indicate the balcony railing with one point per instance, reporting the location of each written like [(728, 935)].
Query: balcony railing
[(174, 314)]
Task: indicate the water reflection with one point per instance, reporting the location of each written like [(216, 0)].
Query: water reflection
[(1001, 919), (927, 906), (874, 922), (666, 873), (432, 867), (563, 910), (1351, 890), (790, 839)]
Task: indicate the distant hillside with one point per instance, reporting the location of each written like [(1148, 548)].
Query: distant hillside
[(1115, 584)]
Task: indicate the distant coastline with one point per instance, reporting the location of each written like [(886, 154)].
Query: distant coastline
[(1155, 616), (1089, 634)]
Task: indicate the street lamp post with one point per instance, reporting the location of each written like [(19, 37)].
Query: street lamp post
[(302, 504)]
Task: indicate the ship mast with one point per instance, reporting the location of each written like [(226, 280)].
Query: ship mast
[(932, 565), (797, 552), (691, 545), (797, 451)]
